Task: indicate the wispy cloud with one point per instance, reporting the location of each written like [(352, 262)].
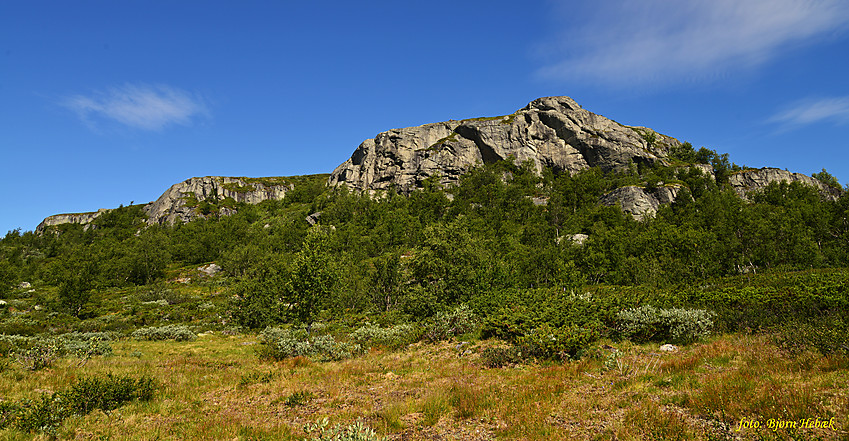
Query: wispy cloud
[(624, 41), (834, 110), (142, 107)]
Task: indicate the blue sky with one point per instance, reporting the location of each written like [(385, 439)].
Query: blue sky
[(105, 103)]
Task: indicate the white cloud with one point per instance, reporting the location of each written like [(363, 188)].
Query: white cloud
[(835, 110), (139, 106), (625, 41)]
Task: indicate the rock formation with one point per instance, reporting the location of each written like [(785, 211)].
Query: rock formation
[(70, 218), (179, 203), (549, 132), (749, 181), (640, 202)]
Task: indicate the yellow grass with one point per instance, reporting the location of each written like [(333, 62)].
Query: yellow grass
[(215, 388)]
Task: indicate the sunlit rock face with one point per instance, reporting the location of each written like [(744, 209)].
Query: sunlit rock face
[(549, 132), (749, 181), (177, 203)]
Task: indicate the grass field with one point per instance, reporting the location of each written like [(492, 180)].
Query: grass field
[(216, 388)]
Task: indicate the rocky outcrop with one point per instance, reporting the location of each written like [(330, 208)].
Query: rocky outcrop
[(71, 218), (180, 202), (549, 132), (641, 202), (748, 181)]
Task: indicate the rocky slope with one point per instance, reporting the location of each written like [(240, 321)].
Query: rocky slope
[(550, 132), (748, 181), (182, 201), (640, 202), (70, 218)]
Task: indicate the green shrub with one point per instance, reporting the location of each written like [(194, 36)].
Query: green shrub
[(678, 325), (257, 377), (279, 344), (351, 432), (9, 412), (557, 343), (500, 357), (298, 398), (511, 314), (449, 324), (35, 353), (106, 393), (393, 337), (47, 413), (43, 353), (44, 414), (167, 332), (87, 344), (828, 335)]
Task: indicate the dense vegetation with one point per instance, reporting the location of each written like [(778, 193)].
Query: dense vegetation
[(497, 256), (484, 243)]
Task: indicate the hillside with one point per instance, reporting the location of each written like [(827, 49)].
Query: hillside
[(552, 133), (501, 300)]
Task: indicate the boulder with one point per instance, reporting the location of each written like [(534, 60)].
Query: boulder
[(313, 218), (640, 202), (669, 348), (210, 269)]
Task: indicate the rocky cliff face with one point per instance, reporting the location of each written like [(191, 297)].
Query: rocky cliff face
[(180, 202), (749, 181), (74, 218), (550, 132), (640, 202)]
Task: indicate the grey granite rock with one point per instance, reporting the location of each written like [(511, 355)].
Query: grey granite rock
[(549, 132)]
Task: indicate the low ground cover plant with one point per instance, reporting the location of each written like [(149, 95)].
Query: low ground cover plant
[(392, 337), (38, 352), (281, 343), (351, 432), (167, 332)]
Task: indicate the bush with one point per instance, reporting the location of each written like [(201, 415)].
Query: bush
[(106, 393), (352, 432), (557, 343), (168, 332), (279, 344), (393, 337), (511, 314), (828, 335), (35, 353), (87, 344), (449, 324), (40, 355), (678, 325), (44, 414), (298, 398), (500, 357), (47, 413)]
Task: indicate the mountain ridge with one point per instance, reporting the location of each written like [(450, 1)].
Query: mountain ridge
[(549, 132)]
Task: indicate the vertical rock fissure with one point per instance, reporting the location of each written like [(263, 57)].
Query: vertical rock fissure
[(488, 154)]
